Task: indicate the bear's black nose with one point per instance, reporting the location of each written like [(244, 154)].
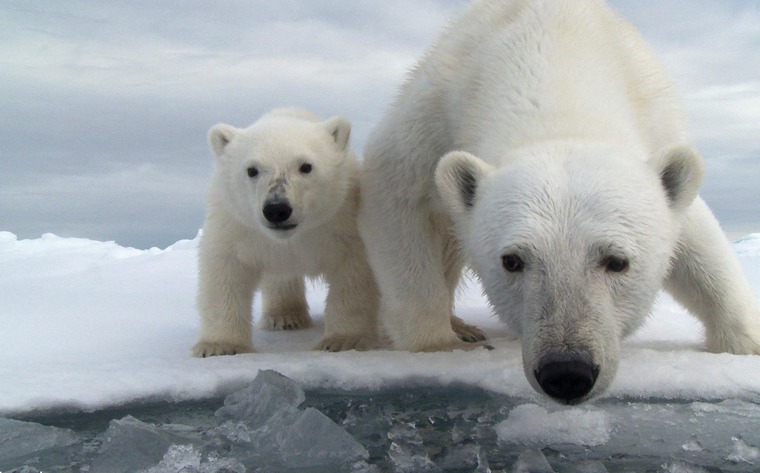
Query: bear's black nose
[(566, 377), (277, 212)]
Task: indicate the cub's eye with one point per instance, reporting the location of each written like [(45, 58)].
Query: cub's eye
[(513, 263), (252, 171), (305, 168), (613, 264)]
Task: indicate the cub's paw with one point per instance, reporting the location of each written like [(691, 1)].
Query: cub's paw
[(286, 321), (206, 349), (466, 332), (336, 343)]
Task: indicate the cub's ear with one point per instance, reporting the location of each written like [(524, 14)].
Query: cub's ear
[(680, 169), (457, 178), (219, 136), (340, 129)]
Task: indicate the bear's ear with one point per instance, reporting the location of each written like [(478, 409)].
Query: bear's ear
[(680, 169), (457, 179), (340, 130), (219, 136)]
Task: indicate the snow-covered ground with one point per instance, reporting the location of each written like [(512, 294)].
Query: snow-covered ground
[(86, 325)]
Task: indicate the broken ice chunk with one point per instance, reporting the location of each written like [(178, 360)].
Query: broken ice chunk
[(407, 452), (264, 428), (531, 424), (315, 440), (682, 467), (532, 461), (19, 440), (743, 452), (693, 445), (468, 457), (133, 445), (588, 466), (186, 458), (268, 395)]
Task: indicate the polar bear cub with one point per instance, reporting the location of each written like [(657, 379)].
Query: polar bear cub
[(281, 207), (542, 143)]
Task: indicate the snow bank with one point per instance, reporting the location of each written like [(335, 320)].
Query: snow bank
[(87, 324)]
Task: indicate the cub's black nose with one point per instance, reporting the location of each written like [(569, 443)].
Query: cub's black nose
[(567, 377), (277, 212)]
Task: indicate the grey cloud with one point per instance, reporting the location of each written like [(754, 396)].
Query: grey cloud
[(106, 105)]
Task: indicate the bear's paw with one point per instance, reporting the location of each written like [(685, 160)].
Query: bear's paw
[(737, 342), (207, 349), (458, 345), (343, 342), (291, 320), (466, 332)]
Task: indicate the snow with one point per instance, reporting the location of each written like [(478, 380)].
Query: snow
[(86, 325)]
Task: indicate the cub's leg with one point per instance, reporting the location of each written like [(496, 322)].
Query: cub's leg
[(225, 295)]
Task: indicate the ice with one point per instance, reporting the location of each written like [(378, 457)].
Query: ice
[(259, 428), (187, 459), (73, 299), (21, 441), (132, 445), (270, 395), (532, 461), (263, 427), (743, 452), (533, 424), (588, 467), (693, 445), (273, 425), (673, 406), (470, 457), (314, 439), (682, 467), (407, 451)]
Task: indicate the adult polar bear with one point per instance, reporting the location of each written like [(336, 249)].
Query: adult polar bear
[(568, 188)]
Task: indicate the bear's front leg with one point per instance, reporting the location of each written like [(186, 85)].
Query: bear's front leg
[(407, 252), (225, 295), (707, 279), (285, 306)]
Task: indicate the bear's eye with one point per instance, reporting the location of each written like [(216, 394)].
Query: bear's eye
[(252, 171), (614, 264), (513, 263), (305, 168)]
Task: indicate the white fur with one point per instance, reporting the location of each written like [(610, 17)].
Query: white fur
[(564, 143), (240, 252)]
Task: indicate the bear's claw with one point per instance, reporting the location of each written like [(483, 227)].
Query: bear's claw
[(458, 345), (466, 332), (207, 349), (286, 321), (336, 343)]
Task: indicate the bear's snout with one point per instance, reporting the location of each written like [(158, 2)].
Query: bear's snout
[(567, 377), (277, 211)]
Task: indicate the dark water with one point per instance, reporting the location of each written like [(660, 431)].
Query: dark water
[(441, 428)]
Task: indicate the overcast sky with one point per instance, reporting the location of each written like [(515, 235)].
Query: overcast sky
[(105, 105)]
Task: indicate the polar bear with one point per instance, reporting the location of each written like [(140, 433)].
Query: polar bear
[(542, 143), (282, 206)]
